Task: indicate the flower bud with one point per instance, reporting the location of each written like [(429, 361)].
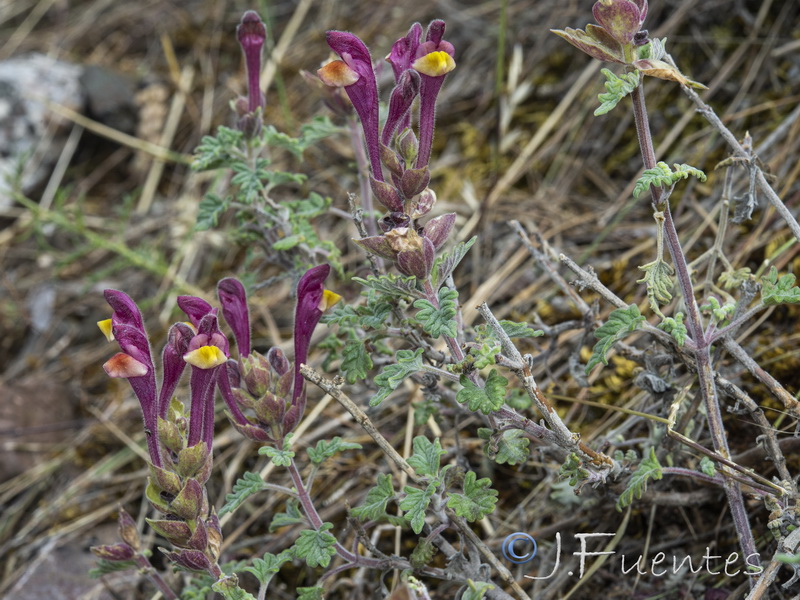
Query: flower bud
[(278, 361), (188, 504), (114, 553), (413, 181), (192, 560), (175, 532), (127, 530), (408, 146), (386, 195), (256, 374)]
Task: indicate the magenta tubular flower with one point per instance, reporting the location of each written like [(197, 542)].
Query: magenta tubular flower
[(206, 353), (404, 52), (233, 298), (354, 72), (127, 327), (312, 301), (434, 61), (178, 339), (400, 102), (251, 34)]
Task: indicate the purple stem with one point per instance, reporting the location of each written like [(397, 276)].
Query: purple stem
[(429, 90), (705, 373), (144, 566)]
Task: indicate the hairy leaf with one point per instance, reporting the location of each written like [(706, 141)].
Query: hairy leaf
[(210, 209), (316, 547), (487, 399), (707, 466), (264, 569), (662, 175), (408, 362), (311, 593), (415, 504), (675, 327), (439, 321), (282, 457), (658, 278), (374, 505), (393, 285), (291, 516), (445, 264), (620, 323), (476, 590), (356, 361), (426, 457), (649, 468), (104, 567), (617, 87), (214, 151), (781, 290), (478, 499), (249, 484), (511, 446), (326, 449)]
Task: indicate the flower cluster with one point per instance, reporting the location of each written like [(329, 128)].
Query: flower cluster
[(264, 395), (419, 68), (179, 442), (619, 38)]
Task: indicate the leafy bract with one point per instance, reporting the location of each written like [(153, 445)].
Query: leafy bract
[(649, 468), (662, 175), (620, 323), (478, 499), (487, 399), (249, 484), (391, 376), (356, 360), (445, 264), (775, 290), (617, 87), (439, 321)]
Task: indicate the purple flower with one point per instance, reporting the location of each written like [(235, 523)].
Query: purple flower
[(434, 61), (251, 34), (354, 72), (312, 301), (404, 52), (234, 308), (135, 362)]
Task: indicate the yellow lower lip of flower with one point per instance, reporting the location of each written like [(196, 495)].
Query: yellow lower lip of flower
[(205, 357), (435, 64), (105, 326), (329, 300)]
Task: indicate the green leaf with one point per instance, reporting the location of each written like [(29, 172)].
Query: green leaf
[(316, 547), (229, 589), (511, 446), (445, 264), (675, 327), (439, 321), (484, 355), (415, 504), (356, 361), (374, 505), (291, 516), (248, 181), (210, 209), (422, 554), (662, 175), (519, 330), (427, 456), (476, 590), (283, 457), (326, 449), (265, 568), (288, 242), (487, 399), (616, 89), (620, 323), (214, 151), (249, 484), (310, 593), (779, 291), (649, 468), (375, 313), (393, 285), (478, 499), (707, 466), (518, 399), (718, 311), (391, 376), (317, 129), (573, 470), (342, 315), (658, 278), (563, 493)]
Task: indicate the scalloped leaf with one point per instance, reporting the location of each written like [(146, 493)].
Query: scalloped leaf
[(393, 285), (620, 323), (439, 321), (478, 499), (248, 485), (617, 87), (662, 175), (648, 469), (391, 376), (444, 265)]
